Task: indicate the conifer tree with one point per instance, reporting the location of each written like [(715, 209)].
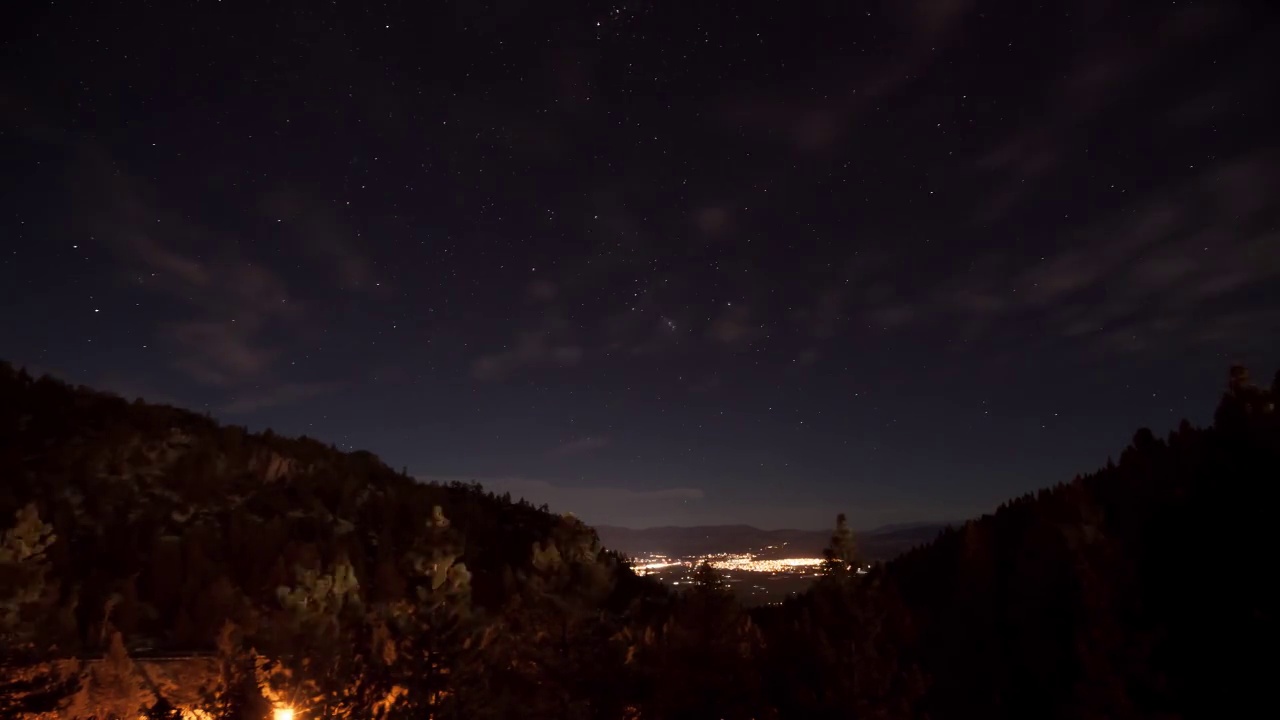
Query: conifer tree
[(427, 636), (316, 658), (841, 556), (233, 693), (112, 686), (30, 679)]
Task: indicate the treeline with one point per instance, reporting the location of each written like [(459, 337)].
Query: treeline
[(332, 584)]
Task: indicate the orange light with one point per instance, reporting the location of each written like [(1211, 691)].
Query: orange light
[(282, 714)]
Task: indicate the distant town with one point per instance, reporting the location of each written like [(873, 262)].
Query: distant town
[(757, 578), (761, 566)]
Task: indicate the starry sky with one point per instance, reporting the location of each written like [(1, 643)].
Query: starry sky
[(654, 262)]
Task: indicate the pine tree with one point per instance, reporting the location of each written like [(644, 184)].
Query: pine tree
[(424, 641), (703, 660), (841, 556), (233, 692), (24, 570), (707, 582), (113, 687), (316, 650), (31, 681)]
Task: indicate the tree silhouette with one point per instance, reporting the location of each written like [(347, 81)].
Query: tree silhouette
[(840, 558)]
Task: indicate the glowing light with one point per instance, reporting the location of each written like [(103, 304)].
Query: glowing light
[(750, 563), (742, 562), (282, 714), (645, 568)]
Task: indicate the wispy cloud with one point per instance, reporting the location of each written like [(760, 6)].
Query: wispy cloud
[(808, 127), (222, 352), (542, 290), (544, 345), (249, 401), (734, 326), (235, 306), (824, 319), (1100, 74), (231, 317), (319, 232), (1157, 274), (579, 446), (712, 220)]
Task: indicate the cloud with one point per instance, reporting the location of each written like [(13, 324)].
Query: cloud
[(827, 315), (221, 353), (733, 326), (1161, 273), (319, 232), (930, 25), (543, 290), (1163, 269), (231, 318), (236, 308), (891, 315), (1106, 71), (541, 346), (286, 394), (579, 446), (808, 357), (712, 220), (810, 128)]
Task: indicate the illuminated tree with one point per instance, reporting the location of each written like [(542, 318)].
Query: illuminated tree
[(425, 640), (233, 693), (314, 654), (112, 687), (31, 681), (24, 571)]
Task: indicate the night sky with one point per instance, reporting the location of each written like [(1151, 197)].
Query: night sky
[(654, 262)]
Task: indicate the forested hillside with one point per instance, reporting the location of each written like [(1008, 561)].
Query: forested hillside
[(166, 530), (290, 574), (1138, 590)]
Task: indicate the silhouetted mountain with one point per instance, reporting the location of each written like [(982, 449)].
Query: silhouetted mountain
[(878, 544)]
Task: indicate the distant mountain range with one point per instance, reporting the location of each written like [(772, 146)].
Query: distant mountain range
[(881, 543)]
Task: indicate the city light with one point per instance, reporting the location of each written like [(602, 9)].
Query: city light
[(740, 562), (646, 568), (750, 563)]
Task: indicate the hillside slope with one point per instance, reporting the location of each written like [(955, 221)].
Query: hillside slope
[(172, 524), (1139, 590)]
